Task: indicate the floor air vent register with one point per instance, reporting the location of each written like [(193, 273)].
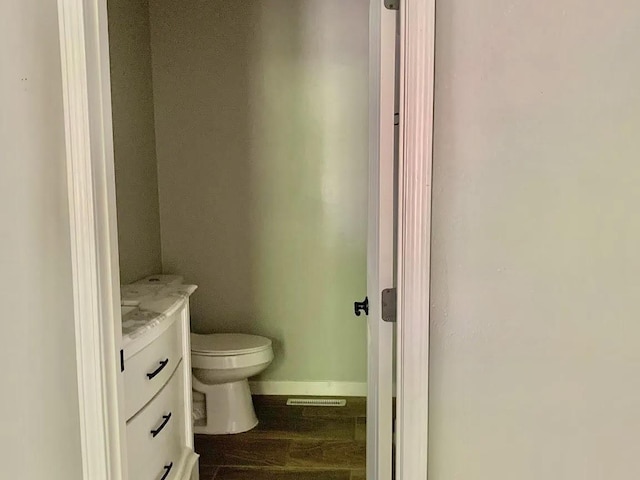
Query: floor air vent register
[(317, 402)]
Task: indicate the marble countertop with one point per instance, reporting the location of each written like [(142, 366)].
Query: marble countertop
[(147, 306)]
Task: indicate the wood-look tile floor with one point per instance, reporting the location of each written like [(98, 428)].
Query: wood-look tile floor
[(290, 443)]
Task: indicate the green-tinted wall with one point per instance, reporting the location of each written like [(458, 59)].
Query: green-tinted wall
[(261, 127)]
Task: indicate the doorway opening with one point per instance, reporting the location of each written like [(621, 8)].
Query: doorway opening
[(241, 150)]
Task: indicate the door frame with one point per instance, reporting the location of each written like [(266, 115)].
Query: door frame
[(417, 81), (94, 245), (84, 55)]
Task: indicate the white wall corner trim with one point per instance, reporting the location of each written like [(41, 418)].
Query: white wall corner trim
[(416, 153), (89, 164), (326, 389)]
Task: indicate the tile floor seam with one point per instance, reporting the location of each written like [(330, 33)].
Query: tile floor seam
[(215, 473)]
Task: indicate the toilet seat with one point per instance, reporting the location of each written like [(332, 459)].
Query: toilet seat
[(229, 362), (228, 344)]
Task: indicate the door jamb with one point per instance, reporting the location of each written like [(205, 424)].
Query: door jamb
[(380, 238)]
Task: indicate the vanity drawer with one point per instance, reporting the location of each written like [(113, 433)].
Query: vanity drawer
[(148, 370), (155, 436)]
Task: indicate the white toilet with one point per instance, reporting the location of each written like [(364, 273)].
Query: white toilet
[(222, 364)]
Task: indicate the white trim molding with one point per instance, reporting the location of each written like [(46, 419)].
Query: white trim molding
[(417, 57), (380, 244), (85, 78), (316, 389)]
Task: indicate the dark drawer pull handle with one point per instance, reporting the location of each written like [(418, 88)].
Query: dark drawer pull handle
[(163, 364), (165, 420), (167, 469)]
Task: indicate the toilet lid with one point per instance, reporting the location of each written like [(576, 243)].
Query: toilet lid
[(222, 344)]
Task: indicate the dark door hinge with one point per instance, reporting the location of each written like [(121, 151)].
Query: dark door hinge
[(389, 303), (121, 360)]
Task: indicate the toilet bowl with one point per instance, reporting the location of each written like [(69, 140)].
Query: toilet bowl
[(221, 364)]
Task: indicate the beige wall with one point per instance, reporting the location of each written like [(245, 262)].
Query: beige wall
[(39, 432), (261, 127), (535, 358), (134, 139)]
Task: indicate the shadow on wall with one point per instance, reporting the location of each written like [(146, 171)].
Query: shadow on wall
[(261, 126), (134, 139)]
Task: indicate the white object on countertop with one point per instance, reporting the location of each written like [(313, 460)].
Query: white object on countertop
[(129, 303), (136, 293), (161, 280)]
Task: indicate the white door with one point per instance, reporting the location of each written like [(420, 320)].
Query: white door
[(381, 250)]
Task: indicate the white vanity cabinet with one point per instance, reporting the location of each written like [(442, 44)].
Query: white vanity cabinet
[(149, 370), (156, 369)]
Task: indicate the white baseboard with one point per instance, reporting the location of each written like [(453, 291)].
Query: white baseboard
[(321, 389)]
